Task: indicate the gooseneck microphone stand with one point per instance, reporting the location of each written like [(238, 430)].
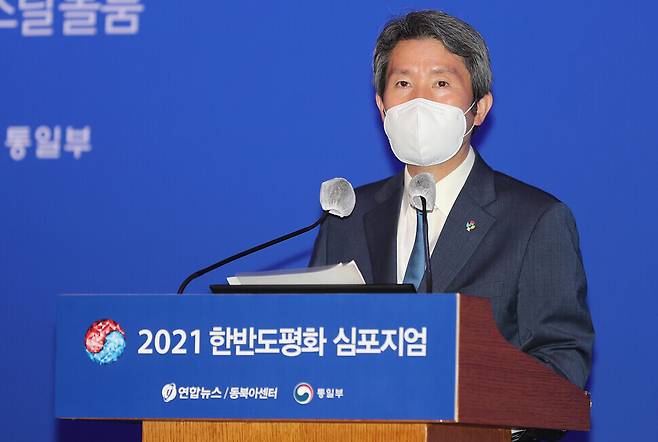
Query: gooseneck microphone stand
[(428, 264), (223, 262)]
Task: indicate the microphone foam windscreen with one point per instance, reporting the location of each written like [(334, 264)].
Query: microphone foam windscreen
[(423, 185), (337, 197)]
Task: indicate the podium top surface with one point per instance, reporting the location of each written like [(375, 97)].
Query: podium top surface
[(313, 288)]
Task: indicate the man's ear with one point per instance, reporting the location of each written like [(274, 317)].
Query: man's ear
[(380, 106), (483, 108)]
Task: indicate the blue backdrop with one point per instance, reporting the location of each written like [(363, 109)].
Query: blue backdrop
[(141, 140)]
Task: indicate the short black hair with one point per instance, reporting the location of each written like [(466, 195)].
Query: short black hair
[(456, 35)]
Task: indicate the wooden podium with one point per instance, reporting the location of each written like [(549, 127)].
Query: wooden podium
[(498, 388), (159, 431)]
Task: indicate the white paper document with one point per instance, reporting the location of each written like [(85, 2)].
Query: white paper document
[(335, 274)]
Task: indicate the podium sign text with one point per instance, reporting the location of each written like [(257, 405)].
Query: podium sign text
[(334, 357)]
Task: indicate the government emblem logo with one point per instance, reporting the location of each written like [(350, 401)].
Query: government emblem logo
[(303, 393)]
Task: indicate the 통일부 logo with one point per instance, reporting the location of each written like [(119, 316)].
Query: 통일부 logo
[(303, 393), (169, 392), (105, 341)]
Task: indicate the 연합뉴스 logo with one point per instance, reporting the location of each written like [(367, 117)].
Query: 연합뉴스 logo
[(169, 392)]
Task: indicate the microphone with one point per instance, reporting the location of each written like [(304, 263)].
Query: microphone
[(422, 185), (336, 198), (422, 190)]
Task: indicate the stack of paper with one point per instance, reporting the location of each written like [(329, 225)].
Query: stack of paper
[(335, 274)]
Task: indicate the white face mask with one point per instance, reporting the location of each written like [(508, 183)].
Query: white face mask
[(425, 133)]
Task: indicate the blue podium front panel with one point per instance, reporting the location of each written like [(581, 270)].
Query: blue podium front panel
[(334, 357)]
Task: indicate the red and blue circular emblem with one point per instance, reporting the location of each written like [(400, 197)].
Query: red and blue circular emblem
[(105, 341)]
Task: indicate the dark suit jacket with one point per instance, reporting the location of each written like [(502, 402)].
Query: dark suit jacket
[(523, 254)]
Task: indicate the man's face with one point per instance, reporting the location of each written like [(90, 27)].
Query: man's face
[(426, 69)]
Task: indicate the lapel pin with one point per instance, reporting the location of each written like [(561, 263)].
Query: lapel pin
[(470, 225)]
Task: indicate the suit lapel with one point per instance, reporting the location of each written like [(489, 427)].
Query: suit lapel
[(380, 225), (456, 243)]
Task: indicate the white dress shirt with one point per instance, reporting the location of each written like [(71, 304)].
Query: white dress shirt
[(447, 191)]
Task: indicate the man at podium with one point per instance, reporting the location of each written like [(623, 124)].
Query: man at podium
[(490, 235)]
